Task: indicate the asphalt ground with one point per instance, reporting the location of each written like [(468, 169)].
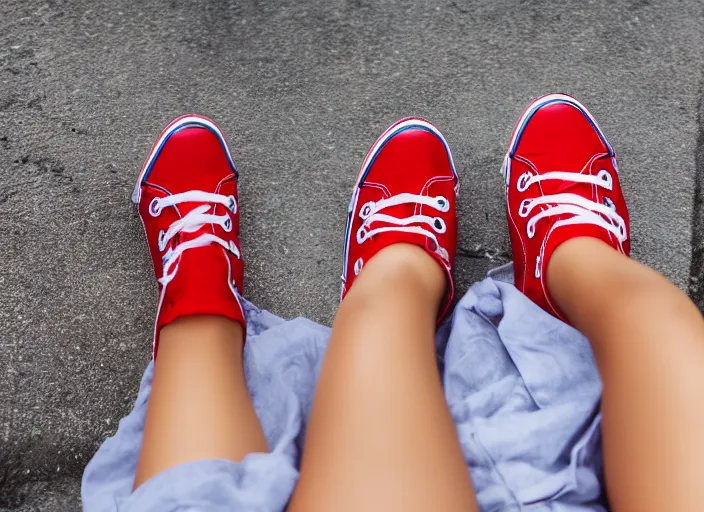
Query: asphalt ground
[(301, 89)]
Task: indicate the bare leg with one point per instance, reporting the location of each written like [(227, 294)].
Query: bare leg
[(648, 339), (381, 436), (199, 406)]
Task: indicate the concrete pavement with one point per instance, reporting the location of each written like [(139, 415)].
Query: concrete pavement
[(301, 89)]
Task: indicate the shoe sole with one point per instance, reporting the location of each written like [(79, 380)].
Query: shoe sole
[(539, 103), (178, 124), (395, 129)]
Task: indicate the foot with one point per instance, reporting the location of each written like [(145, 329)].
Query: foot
[(187, 200), (561, 183), (405, 193)]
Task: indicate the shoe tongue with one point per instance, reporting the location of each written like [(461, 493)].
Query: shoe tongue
[(568, 186), (382, 240), (195, 262), (227, 188), (200, 286), (404, 211), (401, 211), (185, 209)]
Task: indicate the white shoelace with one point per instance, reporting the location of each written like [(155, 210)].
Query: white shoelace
[(370, 213), (583, 211), (190, 223)]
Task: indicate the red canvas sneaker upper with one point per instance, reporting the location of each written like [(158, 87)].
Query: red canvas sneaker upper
[(561, 182), (187, 200), (405, 192)]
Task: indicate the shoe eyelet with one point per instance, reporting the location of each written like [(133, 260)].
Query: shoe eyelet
[(439, 225), (432, 245), (443, 254), (608, 203), (358, 266), (523, 179), (530, 230), (232, 204), (443, 204), (366, 210), (155, 207), (605, 176), (361, 235), (227, 224), (524, 209), (162, 239)]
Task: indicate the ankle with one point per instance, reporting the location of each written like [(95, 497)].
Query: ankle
[(567, 256), (572, 258), (402, 266), (187, 331), (571, 261)]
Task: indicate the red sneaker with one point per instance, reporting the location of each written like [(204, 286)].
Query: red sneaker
[(187, 200), (561, 182), (405, 192)]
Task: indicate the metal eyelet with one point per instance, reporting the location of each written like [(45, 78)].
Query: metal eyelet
[(522, 184), (439, 225), (358, 266), (232, 205), (530, 229), (162, 239), (227, 225), (155, 207), (524, 209), (366, 210), (605, 176), (442, 204)]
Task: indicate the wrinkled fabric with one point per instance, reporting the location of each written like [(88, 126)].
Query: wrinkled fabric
[(521, 385)]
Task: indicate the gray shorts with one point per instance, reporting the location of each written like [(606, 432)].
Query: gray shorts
[(522, 387)]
